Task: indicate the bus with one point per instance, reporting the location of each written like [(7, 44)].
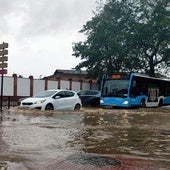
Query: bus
[(134, 90)]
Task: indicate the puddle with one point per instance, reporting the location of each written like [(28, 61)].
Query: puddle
[(88, 139), (95, 160)]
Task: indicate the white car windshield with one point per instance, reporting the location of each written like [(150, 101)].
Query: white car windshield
[(45, 94)]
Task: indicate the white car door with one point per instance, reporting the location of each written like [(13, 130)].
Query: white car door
[(70, 100), (60, 101)]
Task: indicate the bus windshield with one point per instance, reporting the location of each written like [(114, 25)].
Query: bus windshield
[(115, 88)]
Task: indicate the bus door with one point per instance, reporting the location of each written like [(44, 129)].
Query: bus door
[(153, 94)]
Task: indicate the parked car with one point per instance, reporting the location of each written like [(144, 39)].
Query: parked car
[(53, 100), (89, 97)]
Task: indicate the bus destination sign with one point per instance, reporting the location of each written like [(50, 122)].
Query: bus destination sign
[(118, 76)]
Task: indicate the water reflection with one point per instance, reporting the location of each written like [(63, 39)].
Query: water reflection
[(67, 139), (126, 134)]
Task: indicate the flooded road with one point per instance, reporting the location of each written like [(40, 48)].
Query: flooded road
[(92, 139)]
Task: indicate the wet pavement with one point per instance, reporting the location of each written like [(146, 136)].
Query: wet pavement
[(90, 139)]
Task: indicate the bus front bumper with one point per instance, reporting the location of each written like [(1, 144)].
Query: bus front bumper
[(117, 102)]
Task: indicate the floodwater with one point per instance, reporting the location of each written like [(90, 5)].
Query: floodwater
[(92, 139)]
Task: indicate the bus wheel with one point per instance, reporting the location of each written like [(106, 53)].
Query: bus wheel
[(142, 103), (160, 103)]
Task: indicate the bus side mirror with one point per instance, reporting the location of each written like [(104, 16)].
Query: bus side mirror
[(134, 83)]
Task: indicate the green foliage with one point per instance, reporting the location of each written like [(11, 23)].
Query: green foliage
[(126, 35)]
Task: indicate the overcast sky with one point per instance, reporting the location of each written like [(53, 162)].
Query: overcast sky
[(40, 33)]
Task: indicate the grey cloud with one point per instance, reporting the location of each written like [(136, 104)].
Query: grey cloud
[(43, 16), (41, 28), (52, 16), (8, 9)]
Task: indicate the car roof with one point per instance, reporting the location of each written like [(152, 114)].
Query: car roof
[(57, 90), (89, 90)]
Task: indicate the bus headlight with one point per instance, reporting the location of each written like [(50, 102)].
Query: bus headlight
[(125, 102), (101, 101)]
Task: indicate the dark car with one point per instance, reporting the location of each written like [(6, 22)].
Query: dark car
[(89, 97)]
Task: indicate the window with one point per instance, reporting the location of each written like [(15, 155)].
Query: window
[(61, 94), (69, 93)]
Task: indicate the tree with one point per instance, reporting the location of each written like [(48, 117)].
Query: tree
[(126, 35), (151, 35)]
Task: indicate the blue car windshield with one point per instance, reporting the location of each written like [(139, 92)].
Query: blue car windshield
[(45, 94)]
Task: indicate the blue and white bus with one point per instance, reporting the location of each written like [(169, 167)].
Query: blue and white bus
[(134, 90)]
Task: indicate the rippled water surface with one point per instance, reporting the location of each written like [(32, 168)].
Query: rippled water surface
[(102, 139)]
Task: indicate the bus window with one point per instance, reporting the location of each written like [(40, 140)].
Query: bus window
[(168, 91), (134, 83), (139, 87), (153, 94)]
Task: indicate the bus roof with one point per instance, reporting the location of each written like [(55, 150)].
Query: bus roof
[(138, 75), (147, 76)]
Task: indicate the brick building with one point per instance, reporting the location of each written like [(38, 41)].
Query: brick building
[(74, 75)]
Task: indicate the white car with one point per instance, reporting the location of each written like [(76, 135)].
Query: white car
[(56, 99)]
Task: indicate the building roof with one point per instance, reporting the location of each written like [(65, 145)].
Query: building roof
[(75, 72)]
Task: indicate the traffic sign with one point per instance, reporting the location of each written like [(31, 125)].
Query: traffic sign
[(4, 52), (3, 65), (3, 45), (3, 71), (3, 58)]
